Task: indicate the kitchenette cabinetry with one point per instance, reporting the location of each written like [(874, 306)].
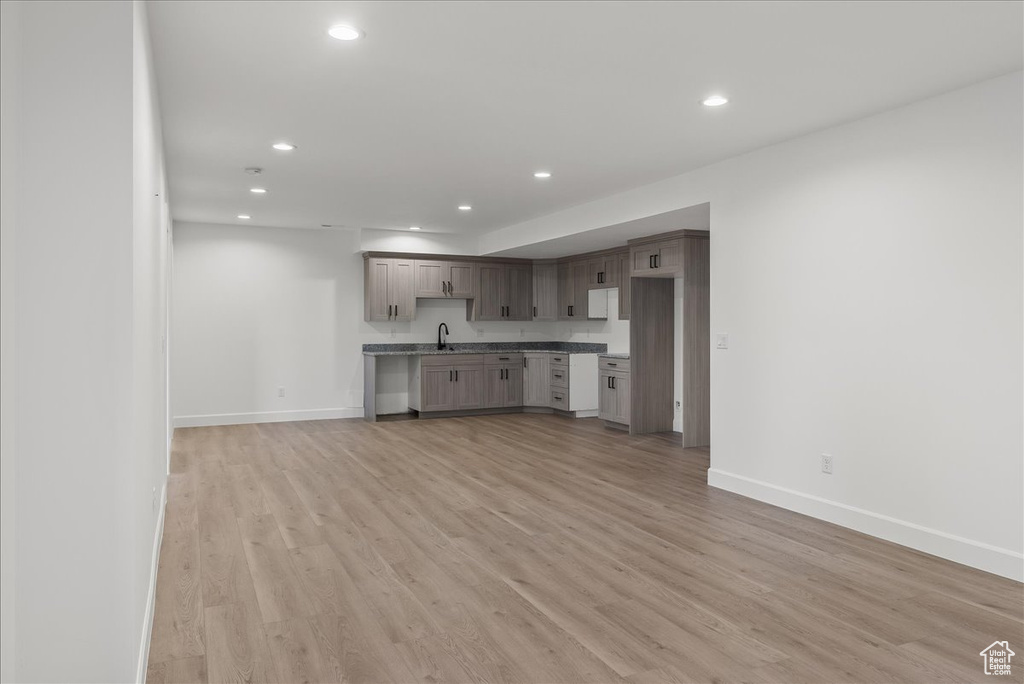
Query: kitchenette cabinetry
[(545, 291), (389, 290), (505, 293), (613, 391), (603, 271), (573, 290), (503, 384), (446, 279), (536, 381), (659, 259), (451, 383)]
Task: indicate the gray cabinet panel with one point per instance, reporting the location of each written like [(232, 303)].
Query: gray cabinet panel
[(536, 383), (657, 259), (494, 386), (430, 279), (437, 391), (462, 280), (581, 293), (624, 286), (402, 291), (566, 292), (545, 293), (518, 299), (469, 386), (488, 304), (389, 290), (513, 386)]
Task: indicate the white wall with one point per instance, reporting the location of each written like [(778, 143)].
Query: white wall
[(151, 270), (256, 309), (82, 434), (870, 279), (10, 101)]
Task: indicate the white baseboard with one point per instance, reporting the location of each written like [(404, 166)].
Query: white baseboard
[(147, 625), (266, 417), (976, 554)]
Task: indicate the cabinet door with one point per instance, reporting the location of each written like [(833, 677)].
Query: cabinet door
[(518, 299), (462, 280), (595, 273), (437, 387), (469, 386), (624, 287), (622, 399), (670, 257), (429, 278), (377, 306), (545, 293), (536, 383), (611, 271), (488, 301), (513, 386), (641, 259), (606, 404), (494, 386), (401, 290), (566, 293), (580, 292)]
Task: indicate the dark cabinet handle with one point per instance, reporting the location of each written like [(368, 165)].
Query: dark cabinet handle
[(558, 376), (534, 311), (503, 358), (444, 287), (524, 362), (449, 376), (650, 261), (456, 376), (657, 261), (613, 364), (609, 382), (613, 381), (556, 398), (449, 287)]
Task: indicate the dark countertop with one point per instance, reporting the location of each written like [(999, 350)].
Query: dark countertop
[(614, 356), (404, 349)]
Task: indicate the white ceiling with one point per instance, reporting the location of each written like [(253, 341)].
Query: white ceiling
[(444, 103)]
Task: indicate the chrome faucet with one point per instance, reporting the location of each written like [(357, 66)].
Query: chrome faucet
[(442, 342)]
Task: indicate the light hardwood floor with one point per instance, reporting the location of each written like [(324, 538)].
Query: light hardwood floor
[(532, 548)]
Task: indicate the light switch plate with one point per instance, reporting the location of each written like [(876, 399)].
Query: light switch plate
[(722, 341)]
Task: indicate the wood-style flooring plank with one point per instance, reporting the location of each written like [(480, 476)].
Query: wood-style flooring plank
[(532, 548)]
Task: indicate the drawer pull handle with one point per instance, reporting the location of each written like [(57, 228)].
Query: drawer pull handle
[(503, 358), (612, 364)]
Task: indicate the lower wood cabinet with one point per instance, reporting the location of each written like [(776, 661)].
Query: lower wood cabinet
[(451, 383), (503, 380), (613, 391), (536, 381)]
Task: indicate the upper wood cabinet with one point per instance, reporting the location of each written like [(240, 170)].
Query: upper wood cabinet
[(446, 279), (389, 290), (573, 278), (662, 259), (603, 271), (624, 289), (505, 292), (545, 292)]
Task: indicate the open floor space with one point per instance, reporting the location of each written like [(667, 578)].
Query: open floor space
[(531, 548)]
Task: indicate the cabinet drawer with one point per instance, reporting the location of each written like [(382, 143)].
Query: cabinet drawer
[(559, 376), (559, 399), (621, 365), (451, 359), (510, 359), (559, 360)]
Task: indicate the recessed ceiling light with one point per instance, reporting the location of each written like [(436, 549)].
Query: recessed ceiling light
[(344, 32), (464, 207), (414, 227), (244, 216), (258, 191), (542, 174), (714, 101), (284, 147)]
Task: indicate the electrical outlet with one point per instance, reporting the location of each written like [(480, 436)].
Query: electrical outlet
[(679, 405), (280, 391), (826, 464), (722, 341)]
